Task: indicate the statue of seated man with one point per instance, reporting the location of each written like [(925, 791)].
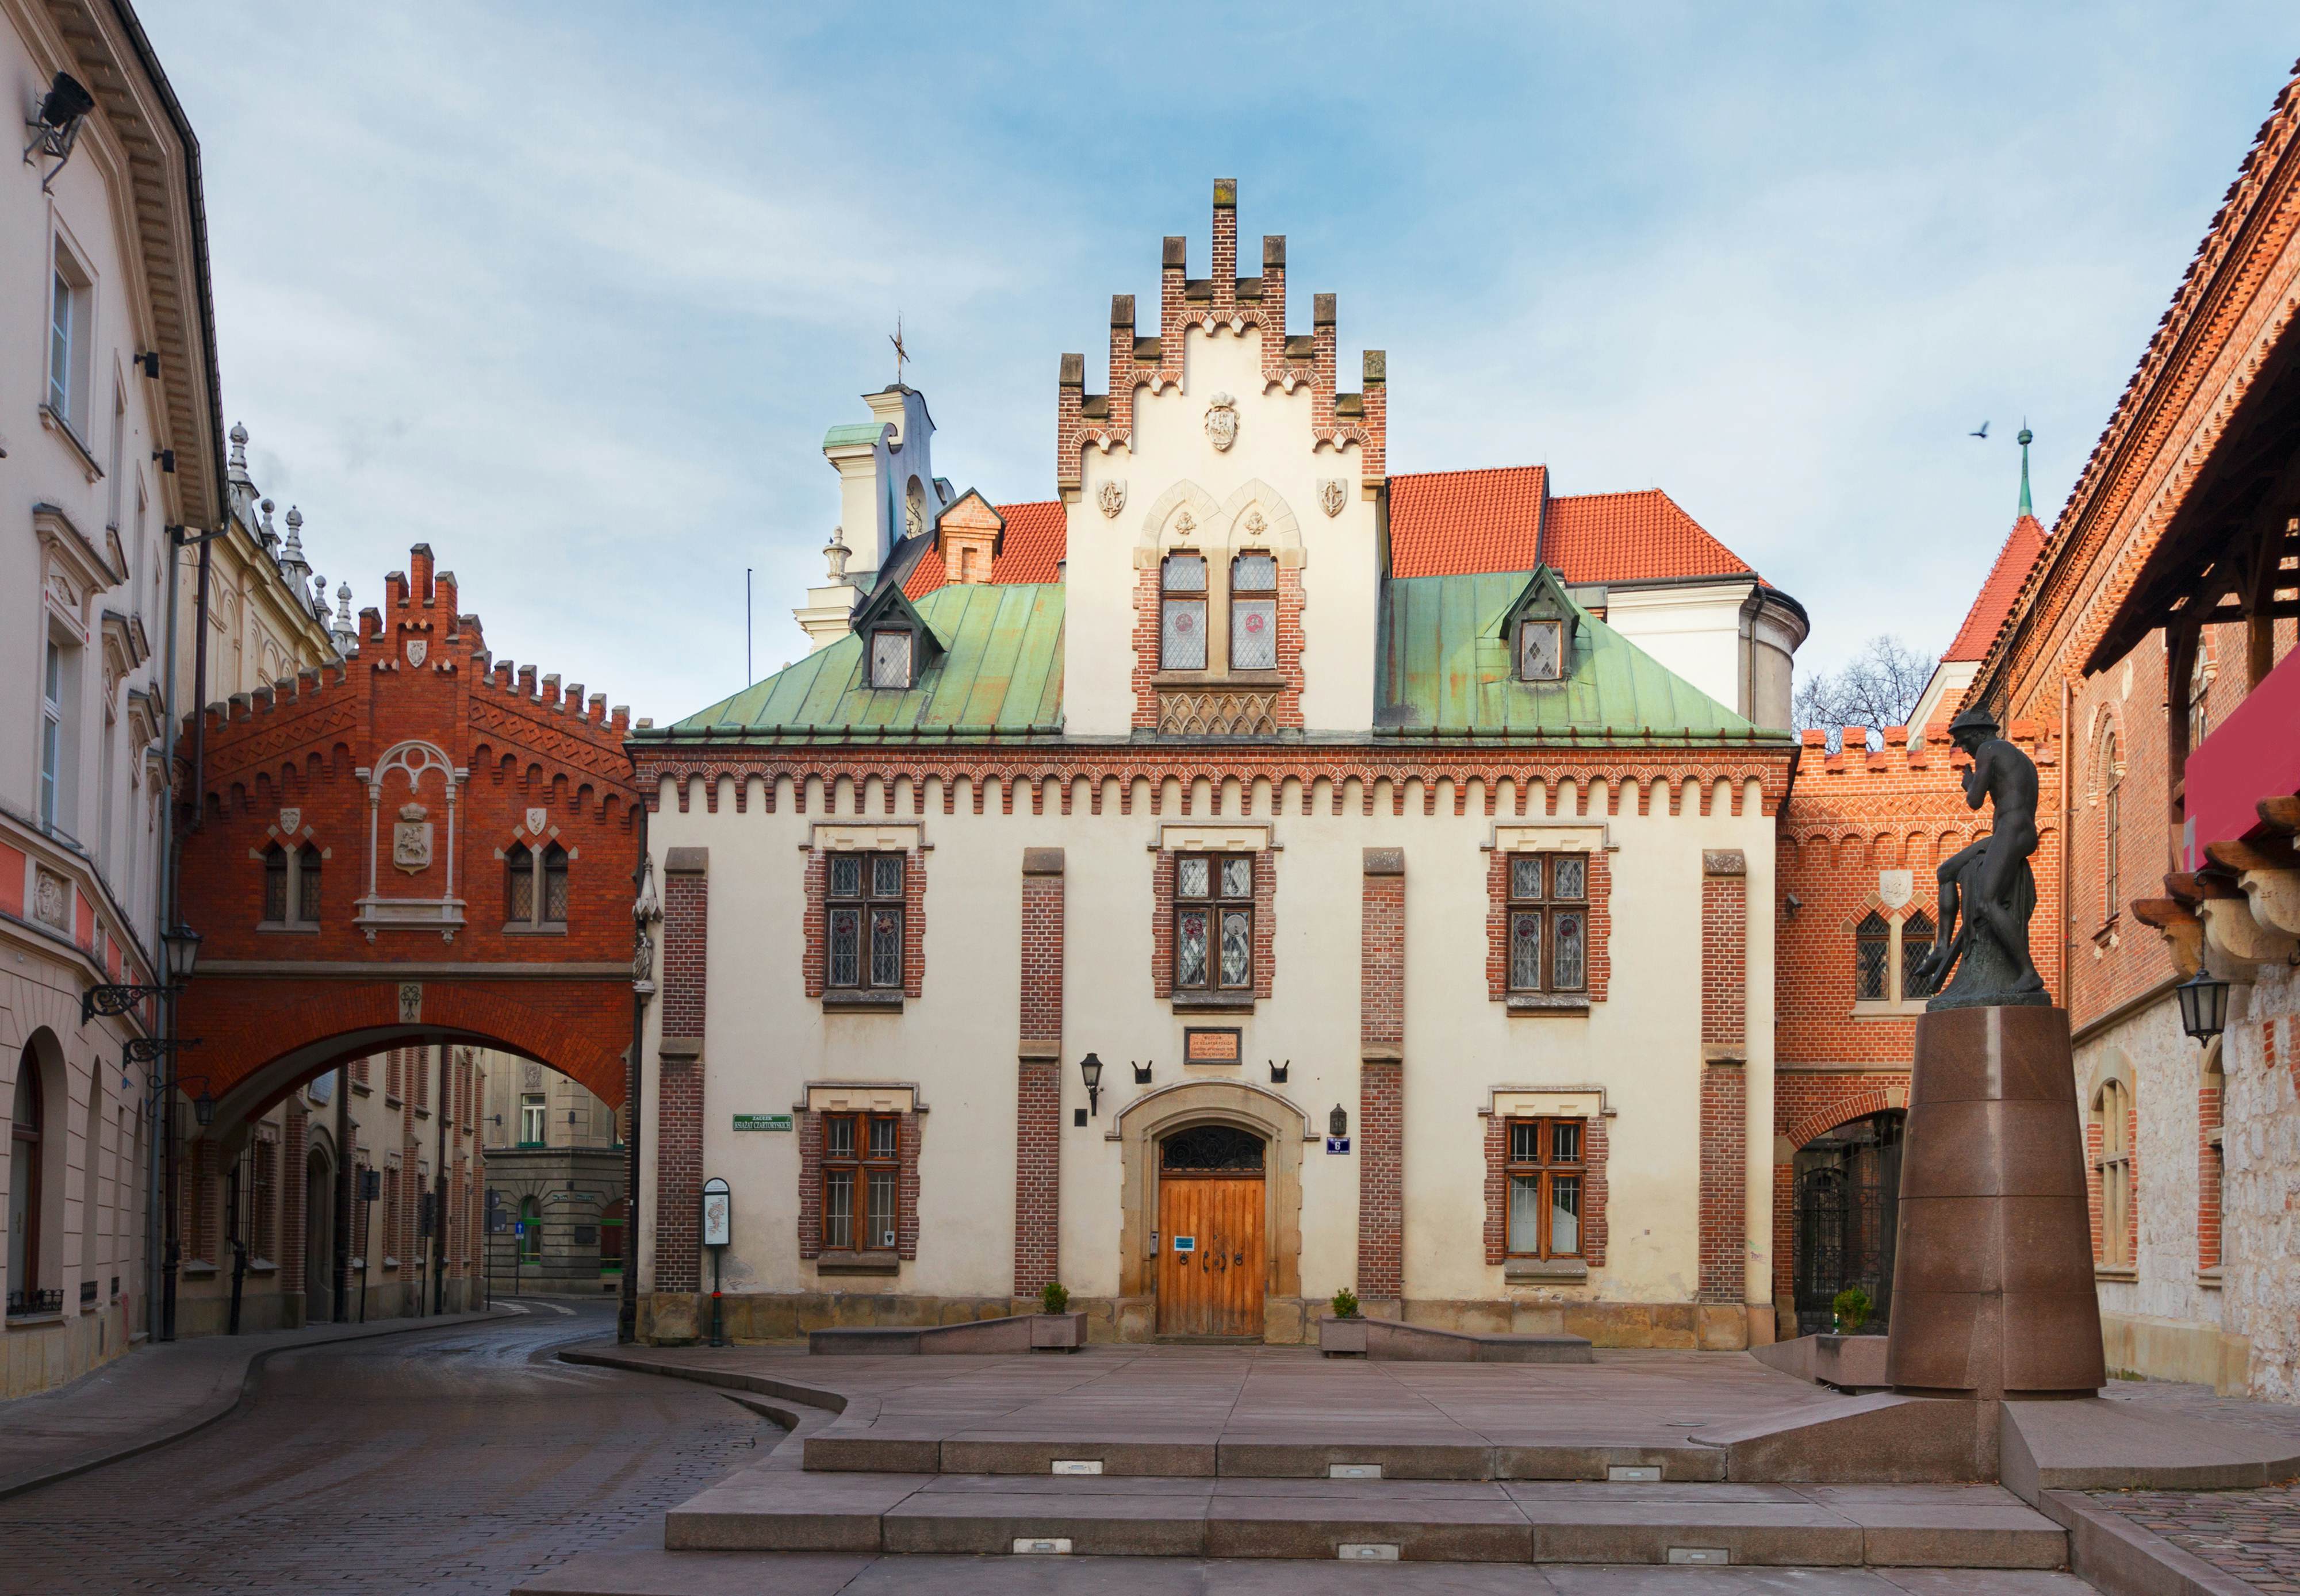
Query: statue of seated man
[(1997, 893)]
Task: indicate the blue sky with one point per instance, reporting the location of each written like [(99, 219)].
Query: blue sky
[(570, 291)]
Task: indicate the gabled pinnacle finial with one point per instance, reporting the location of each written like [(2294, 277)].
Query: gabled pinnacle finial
[(239, 444), (2024, 437)]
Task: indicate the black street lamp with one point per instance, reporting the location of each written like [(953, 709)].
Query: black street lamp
[(2204, 1005), (1090, 1067), (181, 946)]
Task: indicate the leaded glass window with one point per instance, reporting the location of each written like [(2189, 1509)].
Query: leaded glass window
[(1548, 922), (1916, 947), (1182, 613), (1545, 1174), (1214, 922), (519, 882), (1253, 612), (890, 658), (1873, 942), (275, 885), (863, 931), (554, 883), (862, 1182)]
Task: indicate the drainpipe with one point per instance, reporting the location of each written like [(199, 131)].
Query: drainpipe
[(159, 1316), (441, 1102), (343, 1214), (627, 1312)]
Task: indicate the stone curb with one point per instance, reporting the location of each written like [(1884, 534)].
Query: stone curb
[(2118, 1557), (16, 1486)]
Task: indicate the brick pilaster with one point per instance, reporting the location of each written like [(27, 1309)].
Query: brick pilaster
[(1724, 1079), (678, 1102), (1381, 1077), (1038, 1088)]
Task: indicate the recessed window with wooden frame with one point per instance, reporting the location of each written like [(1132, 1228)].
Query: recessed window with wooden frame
[(291, 888), (535, 887), (861, 1183), (1549, 923), (1254, 610), (1213, 925), (862, 948), (1546, 1177)]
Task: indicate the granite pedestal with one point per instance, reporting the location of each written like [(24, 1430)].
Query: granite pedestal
[(1992, 1291)]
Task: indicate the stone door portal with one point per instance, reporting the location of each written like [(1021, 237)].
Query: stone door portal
[(1211, 1248)]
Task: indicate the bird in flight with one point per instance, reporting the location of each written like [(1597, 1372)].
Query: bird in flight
[(1981, 432)]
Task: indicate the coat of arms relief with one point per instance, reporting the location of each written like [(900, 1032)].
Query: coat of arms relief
[(411, 840), (1221, 422), (1333, 492), (417, 649), (1111, 495)]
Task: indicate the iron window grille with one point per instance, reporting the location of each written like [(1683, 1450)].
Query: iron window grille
[(862, 1182), (1872, 950), (291, 885), (1548, 922), (863, 951), (1546, 1175), (1253, 612), (1182, 613), (1214, 922)]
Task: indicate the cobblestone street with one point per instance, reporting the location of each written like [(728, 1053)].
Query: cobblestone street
[(460, 1460), (2252, 1534)]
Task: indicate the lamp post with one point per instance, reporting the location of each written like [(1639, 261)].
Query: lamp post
[(2204, 1005), (718, 1230), (1090, 1068), (180, 947)]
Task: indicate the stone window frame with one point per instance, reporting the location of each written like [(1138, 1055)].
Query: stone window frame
[(826, 838), (1896, 1004), (537, 867), (1589, 1105), (1255, 518), (1214, 838), (2108, 795), (827, 1100), (2113, 1170), (295, 855), (1596, 843)]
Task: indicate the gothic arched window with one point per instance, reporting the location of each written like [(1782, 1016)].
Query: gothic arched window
[(2112, 778), (1182, 613), (1253, 611), (1916, 947)]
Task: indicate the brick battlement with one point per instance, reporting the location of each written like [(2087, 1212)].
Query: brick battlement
[(1211, 305), (1905, 762)]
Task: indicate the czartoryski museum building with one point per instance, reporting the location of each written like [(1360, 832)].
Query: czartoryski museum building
[(1243, 874)]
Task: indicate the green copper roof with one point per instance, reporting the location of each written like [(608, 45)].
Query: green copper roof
[(853, 432), (1000, 673), (1444, 669)]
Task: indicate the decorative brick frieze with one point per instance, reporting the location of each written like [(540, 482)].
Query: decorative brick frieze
[(1297, 779), (1038, 1086), (678, 1086), (1599, 972)]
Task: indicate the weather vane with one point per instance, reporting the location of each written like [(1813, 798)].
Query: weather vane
[(901, 353)]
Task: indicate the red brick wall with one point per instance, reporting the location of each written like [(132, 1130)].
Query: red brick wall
[(1381, 1077), (289, 1179), (679, 1108), (1804, 1105), (1724, 1079), (1601, 925), (2208, 1174), (1038, 1086)]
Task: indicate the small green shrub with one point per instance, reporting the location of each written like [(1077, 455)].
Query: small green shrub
[(1055, 1297), (1346, 1304), (1852, 1306)]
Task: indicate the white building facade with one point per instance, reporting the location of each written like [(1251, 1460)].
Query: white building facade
[(1248, 875)]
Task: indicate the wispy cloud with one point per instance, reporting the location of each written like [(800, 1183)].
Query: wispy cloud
[(570, 291)]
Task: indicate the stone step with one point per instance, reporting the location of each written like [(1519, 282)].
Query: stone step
[(884, 1448), (779, 1511)]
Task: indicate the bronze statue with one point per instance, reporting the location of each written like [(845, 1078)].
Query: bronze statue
[(1991, 880)]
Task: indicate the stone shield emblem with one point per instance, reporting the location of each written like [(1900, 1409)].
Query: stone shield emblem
[(1221, 422), (417, 649), (535, 820), (291, 821), (1112, 497), (1333, 492), (411, 840)]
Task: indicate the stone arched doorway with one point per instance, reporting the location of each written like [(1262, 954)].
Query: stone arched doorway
[(1143, 1130), (1846, 1199)]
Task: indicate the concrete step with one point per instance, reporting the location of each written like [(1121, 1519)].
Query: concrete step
[(780, 1511), (1297, 1453)]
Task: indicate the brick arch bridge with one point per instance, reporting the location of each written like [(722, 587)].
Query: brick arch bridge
[(420, 846)]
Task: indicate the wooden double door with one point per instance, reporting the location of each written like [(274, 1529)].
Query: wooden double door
[(1211, 1247)]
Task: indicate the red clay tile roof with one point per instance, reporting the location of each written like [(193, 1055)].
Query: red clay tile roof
[(1995, 600), (1035, 536), (1633, 537), (1466, 523)]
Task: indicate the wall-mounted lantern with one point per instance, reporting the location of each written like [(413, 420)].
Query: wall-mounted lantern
[(2204, 1005), (1338, 1123), (1090, 1068)]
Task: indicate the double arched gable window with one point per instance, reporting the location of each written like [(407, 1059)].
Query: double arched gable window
[(534, 886), (1886, 955), (1186, 622)]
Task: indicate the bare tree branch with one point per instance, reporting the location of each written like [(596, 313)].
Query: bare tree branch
[(1877, 687)]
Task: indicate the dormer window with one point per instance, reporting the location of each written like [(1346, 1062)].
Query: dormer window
[(890, 656), (1182, 613), (1540, 650), (1253, 612)]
